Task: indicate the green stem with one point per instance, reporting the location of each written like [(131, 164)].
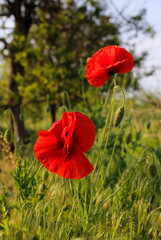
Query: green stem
[(123, 94), (113, 100), (114, 146), (68, 99), (61, 110), (110, 124), (102, 138), (130, 125), (5, 113), (83, 93), (137, 165), (14, 131), (109, 163), (114, 80)]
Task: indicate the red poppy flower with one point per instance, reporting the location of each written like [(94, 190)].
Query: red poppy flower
[(60, 149), (107, 61)]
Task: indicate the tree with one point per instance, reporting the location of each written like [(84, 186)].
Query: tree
[(48, 40), (23, 13), (57, 44)]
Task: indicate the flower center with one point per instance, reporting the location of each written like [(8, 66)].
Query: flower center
[(111, 73)]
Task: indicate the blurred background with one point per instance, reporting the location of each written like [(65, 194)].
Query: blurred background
[(44, 46)]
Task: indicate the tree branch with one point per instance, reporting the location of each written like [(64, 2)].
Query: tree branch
[(5, 14), (4, 41)]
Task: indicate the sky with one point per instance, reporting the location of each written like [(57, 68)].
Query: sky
[(143, 43)]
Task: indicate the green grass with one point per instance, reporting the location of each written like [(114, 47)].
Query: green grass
[(44, 206)]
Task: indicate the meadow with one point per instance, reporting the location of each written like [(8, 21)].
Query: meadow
[(63, 59), (120, 199)]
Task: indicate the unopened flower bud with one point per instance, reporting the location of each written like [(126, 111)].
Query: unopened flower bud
[(152, 171), (148, 125), (129, 138), (159, 221), (8, 136), (119, 116)]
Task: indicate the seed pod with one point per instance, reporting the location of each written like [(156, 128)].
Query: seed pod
[(8, 136), (129, 138), (45, 175), (119, 116), (152, 171)]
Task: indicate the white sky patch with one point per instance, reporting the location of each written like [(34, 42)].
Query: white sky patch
[(144, 43)]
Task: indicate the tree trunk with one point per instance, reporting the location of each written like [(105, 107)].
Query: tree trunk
[(15, 100), (53, 111), (22, 11)]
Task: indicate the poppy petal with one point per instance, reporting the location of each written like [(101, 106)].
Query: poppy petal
[(111, 59), (52, 162), (84, 134), (75, 166), (60, 148), (46, 145), (99, 78), (56, 128), (68, 124)]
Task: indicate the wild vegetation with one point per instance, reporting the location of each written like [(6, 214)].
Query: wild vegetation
[(42, 75), (120, 199)]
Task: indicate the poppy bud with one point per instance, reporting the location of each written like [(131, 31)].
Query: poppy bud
[(45, 175), (159, 221), (152, 171), (129, 138), (8, 136), (148, 125), (119, 116)]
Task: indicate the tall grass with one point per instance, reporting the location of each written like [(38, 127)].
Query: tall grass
[(118, 200)]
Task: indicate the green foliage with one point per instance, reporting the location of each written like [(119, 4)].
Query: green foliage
[(52, 59), (48, 205)]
